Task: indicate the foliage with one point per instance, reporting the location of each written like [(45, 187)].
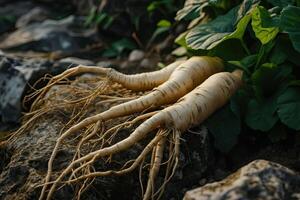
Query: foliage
[(118, 47), (263, 39), (108, 16)]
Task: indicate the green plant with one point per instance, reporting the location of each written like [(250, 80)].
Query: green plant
[(263, 39), (98, 18), (118, 47)]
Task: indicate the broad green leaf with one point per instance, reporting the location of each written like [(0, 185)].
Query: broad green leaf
[(229, 26), (158, 31), (289, 107), (246, 63), (118, 47), (225, 125), (164, 23), (180, 40), (290, 23), (261, 115), (285, 46), (260, 19), (281, 3), (223, 4), (278, 56), (228, 50), (269, 78), (191, 9), (209, 35)]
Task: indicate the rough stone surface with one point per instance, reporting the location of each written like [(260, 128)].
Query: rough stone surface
[(75, 61), (64, 35), (148, 63), (136, 55), (259, 180), (27, 158), (14, 76)]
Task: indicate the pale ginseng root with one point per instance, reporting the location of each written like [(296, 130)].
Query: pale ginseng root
[(182, 80), (136, 82), (191, 109)]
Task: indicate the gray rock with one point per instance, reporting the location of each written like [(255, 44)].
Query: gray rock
[(76, 61), (14, 76), (66, 35), (25, 168), (106, 63), (259, 180), (136, 55), (37, 14), (148, 63)]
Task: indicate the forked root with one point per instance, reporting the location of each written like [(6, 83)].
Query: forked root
[(179, 82)]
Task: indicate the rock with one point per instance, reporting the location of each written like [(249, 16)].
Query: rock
[(14, 76), (106, 63), (37, 14), (148, 63), (73, 61), (66, 35), (258, 180), (136, 55), (28, 154)]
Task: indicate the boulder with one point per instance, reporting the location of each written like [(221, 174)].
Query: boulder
[(136, 55), (14, 76), (66, 35), (259, 179)]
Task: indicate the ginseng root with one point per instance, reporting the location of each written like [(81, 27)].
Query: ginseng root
[(196, 102), (182, 80)]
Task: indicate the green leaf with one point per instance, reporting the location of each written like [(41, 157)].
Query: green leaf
[(118, 47), (228, 50), (289, 107), (246, 63), (191, 9), (180, 40), (158, 31), (278, 56), (260, 19), (290, 22), (153, 6), (223, 4), (89, 19), (285, 46), (164, 23), (207, 36), (229, 26), (281, 3), (261, 115), (269, 78), (225, 125)]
